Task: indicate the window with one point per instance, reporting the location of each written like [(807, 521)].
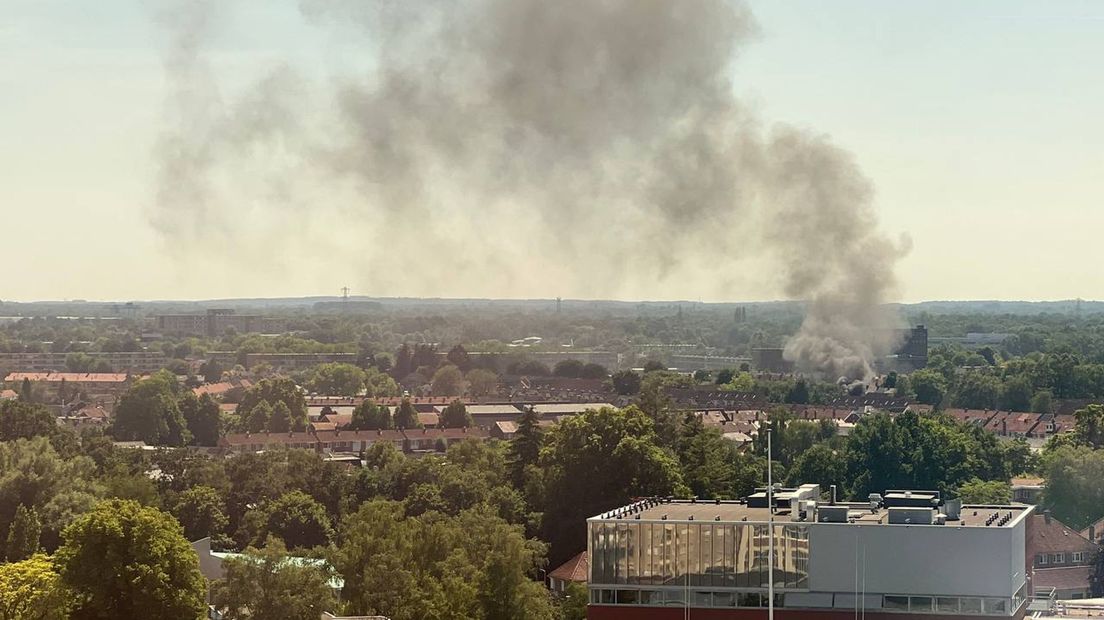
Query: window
[(970, 605), (748, 599), (946, 603), (1058, 558), (1041, 559), (920, 603), (897, 602), (1078, 557), (996, 606)]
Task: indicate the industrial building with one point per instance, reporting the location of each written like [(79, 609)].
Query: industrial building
[(904, 552)]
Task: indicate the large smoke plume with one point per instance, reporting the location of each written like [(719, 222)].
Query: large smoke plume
[(592, 148)]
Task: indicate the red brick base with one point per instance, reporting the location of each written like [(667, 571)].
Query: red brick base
[(630, 612)]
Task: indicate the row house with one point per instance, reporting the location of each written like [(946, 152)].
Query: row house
[(322, 437)]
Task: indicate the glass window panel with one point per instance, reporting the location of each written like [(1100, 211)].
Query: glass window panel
[(701, 599), (693, 554), (628, 597), (705, 546), (996, 606), (748, 599), (650, 597), (607, 597), (646, 553), (682, 550), (631, 531), (724, 599), (969, 605), (920, 603), (669, 553), (897, 602), (673, 597), (946, 603), (740, 553)]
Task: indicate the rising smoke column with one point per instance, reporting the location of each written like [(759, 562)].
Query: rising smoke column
[(588, 146)]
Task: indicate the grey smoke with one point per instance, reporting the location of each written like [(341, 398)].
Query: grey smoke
[(593, 148)]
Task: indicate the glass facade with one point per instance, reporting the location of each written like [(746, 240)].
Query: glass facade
[(710, 554), (725, 564)]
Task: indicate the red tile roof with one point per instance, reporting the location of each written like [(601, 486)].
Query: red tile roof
[(69, 377), (214, 389), (574, 569), (1055, 537)]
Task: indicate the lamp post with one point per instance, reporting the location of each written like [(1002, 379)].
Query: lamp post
[(770, 529)]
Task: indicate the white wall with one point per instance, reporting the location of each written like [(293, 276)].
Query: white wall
[(918, 559)]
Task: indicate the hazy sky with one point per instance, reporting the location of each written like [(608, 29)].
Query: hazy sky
[(979, 124)]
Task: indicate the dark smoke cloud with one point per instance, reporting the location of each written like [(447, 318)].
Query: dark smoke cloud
[(529, 148)]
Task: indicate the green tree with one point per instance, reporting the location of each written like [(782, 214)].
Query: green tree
[(573, 602), (568, 368), (34, 475), (406, 416), (378, 383), (712, 466), (27, 391), (211, 371), (22, 420), (199, 511), (976, 390), (978, 491), (929, 386), (266, 583), (455, 416), (298, 520), (336, 379), (148, 412), (280, 420), (525, 446), (472, 565), (124, 561), (257, 418), (724, 376), (1041, 401), (799, 393), (820, 464), (447, 381), (482, 382), (202, 417), (1016, 394), (599, 460), (593, 371), (368, 416), (458, 356), (1073, 491), (32, 590), (1089, 426), (23, 535), (270, 391), (626, 382)]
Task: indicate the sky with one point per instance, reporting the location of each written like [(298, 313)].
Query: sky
[(979, 125)]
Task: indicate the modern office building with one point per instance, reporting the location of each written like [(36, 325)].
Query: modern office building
[(905, 554)]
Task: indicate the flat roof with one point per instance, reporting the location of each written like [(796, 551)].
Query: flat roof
[(732, 511)]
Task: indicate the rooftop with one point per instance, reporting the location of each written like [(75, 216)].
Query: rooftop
[(858, 513)]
